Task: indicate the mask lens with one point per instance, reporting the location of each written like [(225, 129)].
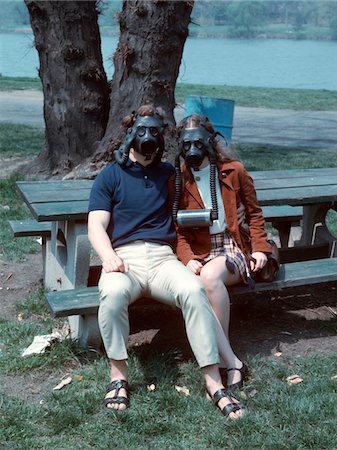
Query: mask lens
[(199, 144), (154, 131), (187, 145), (141, 131)]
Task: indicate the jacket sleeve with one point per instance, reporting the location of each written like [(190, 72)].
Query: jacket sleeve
[(254, 215), (183, 249)]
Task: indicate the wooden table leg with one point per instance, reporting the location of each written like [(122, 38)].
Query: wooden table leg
[(315, 230), (67, 267)]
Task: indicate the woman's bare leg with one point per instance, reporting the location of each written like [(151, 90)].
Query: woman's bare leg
[(215, 276)]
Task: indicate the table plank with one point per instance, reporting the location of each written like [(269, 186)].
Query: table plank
[(33, 186), (273, 174), (298, 196), (58, 196), (75, 210), (268, 183)]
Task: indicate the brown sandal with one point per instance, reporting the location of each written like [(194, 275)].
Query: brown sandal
[(117, 385), (228, 409)]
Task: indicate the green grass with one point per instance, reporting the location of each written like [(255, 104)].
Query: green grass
[(19, 83), (13, 208), (274, 157), (297, 99), (20, 140), (277, 415), (258, 97)]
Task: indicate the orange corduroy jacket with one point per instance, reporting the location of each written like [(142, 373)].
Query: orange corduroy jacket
[(236, 186)]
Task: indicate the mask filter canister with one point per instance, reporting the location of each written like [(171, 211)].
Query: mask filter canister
[(194, 218)]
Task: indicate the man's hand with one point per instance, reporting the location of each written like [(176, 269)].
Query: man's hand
[(195, 266), (260, 261), (113, 263)]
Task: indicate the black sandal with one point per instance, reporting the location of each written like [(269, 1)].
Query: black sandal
[(228, 409), (244, 376), (117, 385)]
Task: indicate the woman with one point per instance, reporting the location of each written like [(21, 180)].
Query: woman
[(223, 252)]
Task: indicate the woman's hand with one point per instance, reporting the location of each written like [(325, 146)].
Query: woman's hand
[(195, 266), (113, 263), (260, 261)]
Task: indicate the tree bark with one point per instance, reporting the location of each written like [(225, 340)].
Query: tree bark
[(146, 63), (75, 88)]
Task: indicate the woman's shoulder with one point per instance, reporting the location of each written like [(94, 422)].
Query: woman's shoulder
[(231, 166)]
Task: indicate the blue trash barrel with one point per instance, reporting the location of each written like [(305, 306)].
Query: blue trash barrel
[(219, 111)]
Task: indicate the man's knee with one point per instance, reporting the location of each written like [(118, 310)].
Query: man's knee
[(114, 299)]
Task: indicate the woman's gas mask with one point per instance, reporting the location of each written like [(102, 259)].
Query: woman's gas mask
[(146, 137), (194, 145)]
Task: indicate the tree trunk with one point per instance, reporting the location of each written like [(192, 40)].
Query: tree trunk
[(146, 62), (75, 88)]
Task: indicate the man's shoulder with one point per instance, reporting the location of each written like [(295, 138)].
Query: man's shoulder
[(166, 167)]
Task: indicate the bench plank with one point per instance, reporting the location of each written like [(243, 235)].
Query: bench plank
[(86, 300), (30, 227)]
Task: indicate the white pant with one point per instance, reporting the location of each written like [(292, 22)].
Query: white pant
[(155, 271)]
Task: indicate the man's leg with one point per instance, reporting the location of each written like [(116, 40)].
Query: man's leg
[(117, 291)]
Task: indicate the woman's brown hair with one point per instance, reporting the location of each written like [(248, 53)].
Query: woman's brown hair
[(223, 152)]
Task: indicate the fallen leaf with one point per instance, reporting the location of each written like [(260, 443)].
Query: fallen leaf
[(278, 354), (294, 379), (63, 383), (78, 377), (183, 390), (252, 393), (9, 276), (35, 391), (243, 395), (20, 317), (151, 387), (334, 377)]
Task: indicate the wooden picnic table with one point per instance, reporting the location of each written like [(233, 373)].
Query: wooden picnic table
[(65, 203)]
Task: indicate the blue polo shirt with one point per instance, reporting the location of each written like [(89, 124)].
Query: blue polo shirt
[(136, 197)]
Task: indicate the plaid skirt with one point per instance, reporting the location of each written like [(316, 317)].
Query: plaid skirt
[(223, 244)]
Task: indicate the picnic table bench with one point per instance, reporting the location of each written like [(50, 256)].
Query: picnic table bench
[(286, 197)]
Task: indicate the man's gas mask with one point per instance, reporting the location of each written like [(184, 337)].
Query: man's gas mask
[(146, 137), (194, 145)]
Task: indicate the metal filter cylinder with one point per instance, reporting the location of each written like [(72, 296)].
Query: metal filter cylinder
[(194, 218)]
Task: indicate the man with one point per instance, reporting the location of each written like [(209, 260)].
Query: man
[(131, 228)]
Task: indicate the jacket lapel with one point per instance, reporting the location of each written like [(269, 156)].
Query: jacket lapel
[(193, 190)]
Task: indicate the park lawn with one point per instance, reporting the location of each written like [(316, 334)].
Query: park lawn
[(278, 416), (259, 97)]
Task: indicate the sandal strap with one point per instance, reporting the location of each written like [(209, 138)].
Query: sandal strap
[(219, 394), (231, 407), (117, 400), (235, 368), (117, 385)]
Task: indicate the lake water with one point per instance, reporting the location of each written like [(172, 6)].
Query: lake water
[(280, 63)]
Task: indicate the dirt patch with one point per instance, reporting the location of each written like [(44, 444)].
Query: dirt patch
[(10, 164)]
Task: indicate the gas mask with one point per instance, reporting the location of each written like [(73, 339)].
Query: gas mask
[(195, 144), (148, 132)]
